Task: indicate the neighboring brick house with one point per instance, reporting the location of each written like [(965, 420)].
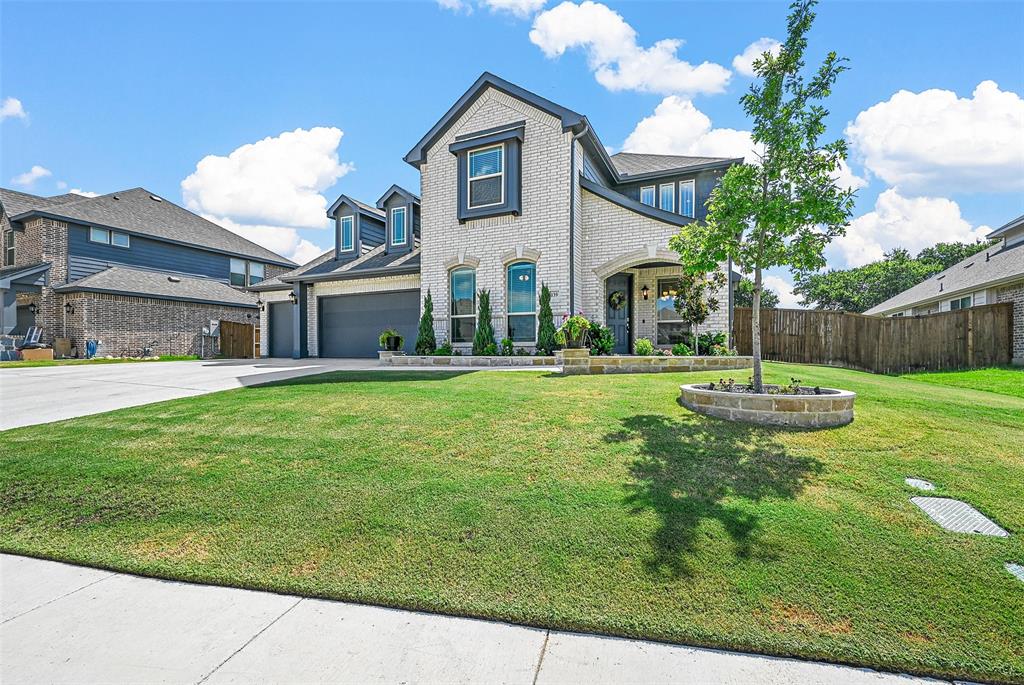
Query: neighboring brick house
[(130, 269), (993, 275), (516, 192)]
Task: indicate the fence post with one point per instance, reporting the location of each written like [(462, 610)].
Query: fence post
[(970, 337)]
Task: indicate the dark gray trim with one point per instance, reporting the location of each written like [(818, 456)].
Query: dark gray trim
[(681, 170), (148, 236), (1007, 227), (9, 278), (572, 226), (631, 204), (70, 288), (409, 197), (260, 288), (356, 274), (417, 155), (487, 131), (487, 140), (513, 180)]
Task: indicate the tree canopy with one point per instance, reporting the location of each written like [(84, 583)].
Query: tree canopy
[(743, 295)]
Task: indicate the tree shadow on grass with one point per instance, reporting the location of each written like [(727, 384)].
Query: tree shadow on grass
[(691, 469)]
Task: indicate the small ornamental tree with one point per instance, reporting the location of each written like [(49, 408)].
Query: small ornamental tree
[(484, 336), (743, 295), (425, 341), (783, 210), (695, 299), (546, 324)]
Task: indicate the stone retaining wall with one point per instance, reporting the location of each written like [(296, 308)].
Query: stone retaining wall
[(576, 362), (399, 359), (806, 411)]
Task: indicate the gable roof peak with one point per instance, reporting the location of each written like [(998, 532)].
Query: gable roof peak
[(396, 189)]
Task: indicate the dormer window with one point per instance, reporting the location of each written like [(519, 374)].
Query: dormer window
[(398, 230), (347, 239), (486, 177)]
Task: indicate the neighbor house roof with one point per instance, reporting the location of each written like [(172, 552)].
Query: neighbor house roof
[(276, 283), (1007, 227), (16, 202), (631, 165), (377, 262), (989, 267), (159, 285), (141, 212)]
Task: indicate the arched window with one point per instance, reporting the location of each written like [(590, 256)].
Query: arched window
[(463, 305), (522, 302)]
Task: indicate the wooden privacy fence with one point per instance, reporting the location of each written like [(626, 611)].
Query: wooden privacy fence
[(966, 338), (237, 340)]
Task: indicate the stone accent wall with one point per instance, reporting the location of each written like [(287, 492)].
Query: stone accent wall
[(466, 360), (803, 411), (1015, 293), (543, 225), (363, 285), (125, 324)]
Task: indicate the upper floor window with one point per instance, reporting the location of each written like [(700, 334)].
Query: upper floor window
[(102, 235), (348, 233), (486, 177), (686, 196), (960, 303), (9, 248), (398, 226), (647, 195), (522, 302), (237, 272), (245, 273), (255, 272), (667, 192), (463, 305)]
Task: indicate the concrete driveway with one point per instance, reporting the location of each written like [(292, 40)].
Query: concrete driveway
[(69, 624), (51, 393)]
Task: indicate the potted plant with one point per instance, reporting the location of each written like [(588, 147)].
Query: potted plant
[(572, 333), (391, 340)]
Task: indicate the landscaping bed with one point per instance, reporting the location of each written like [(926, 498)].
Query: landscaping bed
[(779, 405), (577, 502)]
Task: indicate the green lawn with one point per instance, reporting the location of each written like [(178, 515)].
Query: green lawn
[(594, 503), (1007, 380), (98, 360)]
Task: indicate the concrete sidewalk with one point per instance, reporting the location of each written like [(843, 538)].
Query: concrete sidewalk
[(64, 624)]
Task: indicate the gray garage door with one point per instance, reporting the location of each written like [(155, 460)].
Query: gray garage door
[(350, 325), (281, 329)]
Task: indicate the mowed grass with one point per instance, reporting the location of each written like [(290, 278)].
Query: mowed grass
[(1007, 380), (592, 503)]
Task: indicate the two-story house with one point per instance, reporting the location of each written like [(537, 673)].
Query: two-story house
[(516, 191), (129, 269)]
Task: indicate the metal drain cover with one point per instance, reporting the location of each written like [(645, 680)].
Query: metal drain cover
[(1016, 569), (919, 484), (958, 516)]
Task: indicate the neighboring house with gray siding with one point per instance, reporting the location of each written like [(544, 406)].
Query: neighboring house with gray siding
[(128, 269), (996, 274), (515, 191)]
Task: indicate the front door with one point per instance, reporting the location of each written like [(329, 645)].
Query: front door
[(617, 306)]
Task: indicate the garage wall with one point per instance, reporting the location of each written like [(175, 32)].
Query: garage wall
[(366, 285), (268, 296)]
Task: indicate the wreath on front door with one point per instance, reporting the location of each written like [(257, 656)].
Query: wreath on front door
[(617, 300)]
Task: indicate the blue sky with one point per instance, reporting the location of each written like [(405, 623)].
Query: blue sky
[(136, 94)]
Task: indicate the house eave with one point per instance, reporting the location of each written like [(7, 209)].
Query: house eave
[(355, 275), (71, 288), (632, 205)]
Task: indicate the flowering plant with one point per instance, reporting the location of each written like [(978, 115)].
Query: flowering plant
[(573, 331)]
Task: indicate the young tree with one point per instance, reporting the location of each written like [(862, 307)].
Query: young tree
[(484, 336), (425, 341), (695, 298), (743, 295), (546, 325), (783, 210)]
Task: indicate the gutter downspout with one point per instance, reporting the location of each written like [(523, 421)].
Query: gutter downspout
[(728, 342), (572, 216)]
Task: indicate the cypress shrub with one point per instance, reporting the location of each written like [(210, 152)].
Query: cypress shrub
[(546, 326), (483, 339), (425, 341)]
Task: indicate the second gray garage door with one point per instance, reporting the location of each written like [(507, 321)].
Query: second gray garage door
[(280, 325), (350, 325)]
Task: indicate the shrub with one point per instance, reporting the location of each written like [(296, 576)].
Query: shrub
[(573, 331), (522, 352), (708, 339), (506, 347), (484, 335), (721, 351), (602, 340), (425, 341), (490, 350), (643, 347), (444, 350), (546, 327), (681, 350)]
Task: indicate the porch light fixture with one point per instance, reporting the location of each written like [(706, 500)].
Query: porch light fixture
[(69, 308), (259, 304), (32, 308), (293, 297), (645, 292)]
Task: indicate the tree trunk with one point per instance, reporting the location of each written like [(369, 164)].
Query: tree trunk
[(755, 333)]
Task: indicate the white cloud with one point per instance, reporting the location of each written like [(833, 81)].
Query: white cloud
[(283, 240), (912, 223), (456, 6), (83, 193), (934, 140), (519, 8), (845, 177), (618, 62), (679, 128), (784, 289), (29, 178), (11, 108), (744, 62), (276, 181)]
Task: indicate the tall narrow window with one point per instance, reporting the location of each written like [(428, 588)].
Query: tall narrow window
[(398, 226), (255, 272), (668, 197), (463, 305), (9, 248), (671, 327), (686, 194), (348, 233), (486, 177), (522, 302), (647, 195), (237, 272)]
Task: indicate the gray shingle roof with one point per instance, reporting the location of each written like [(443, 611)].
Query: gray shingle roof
[(16, 202), (160, 285), (276, 283), (973, 273), (1011, 225), (637, 164), (374, 263), (137, 211)]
